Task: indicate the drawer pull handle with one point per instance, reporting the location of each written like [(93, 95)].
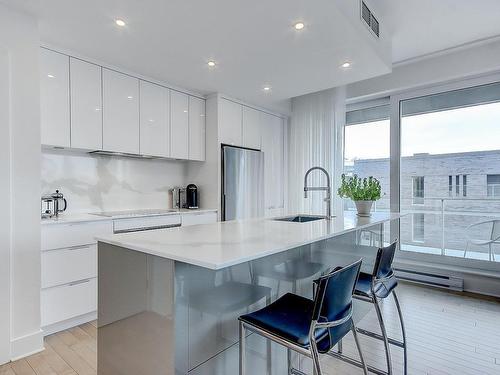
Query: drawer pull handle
[(76, 247), (143, 229), (79, 282)]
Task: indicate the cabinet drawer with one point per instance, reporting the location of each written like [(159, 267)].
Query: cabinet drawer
[(68, 265), (145, 223), (58, 236), (68, 301), (202, 218)]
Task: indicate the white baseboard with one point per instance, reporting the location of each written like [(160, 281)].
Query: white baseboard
[(65, 324), (24, 346)]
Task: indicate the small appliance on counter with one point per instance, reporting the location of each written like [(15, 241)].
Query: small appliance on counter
[(51, 205), (192, 196), (178, 197)]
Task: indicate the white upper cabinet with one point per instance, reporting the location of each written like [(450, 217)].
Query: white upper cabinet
[(121, 112), (251, 128), (155, 120), (179, 125), (196, 129), (273, 148), (54, 98), (230, 123), (86, 105)]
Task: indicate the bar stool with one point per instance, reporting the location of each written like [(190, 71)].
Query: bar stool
[(372, 288), (306, 326)]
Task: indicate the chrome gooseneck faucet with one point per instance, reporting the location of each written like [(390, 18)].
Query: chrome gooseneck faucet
[(320, 188)]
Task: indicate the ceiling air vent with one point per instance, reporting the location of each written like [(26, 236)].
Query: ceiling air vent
[(369, 19)]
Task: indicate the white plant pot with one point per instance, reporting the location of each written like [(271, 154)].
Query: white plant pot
[(364, 208)]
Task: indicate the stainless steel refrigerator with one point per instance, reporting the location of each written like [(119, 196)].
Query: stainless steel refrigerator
[(242, 183)]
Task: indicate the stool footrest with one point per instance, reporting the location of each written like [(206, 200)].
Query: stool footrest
[(356, 363), (379, 337), (294, 371)]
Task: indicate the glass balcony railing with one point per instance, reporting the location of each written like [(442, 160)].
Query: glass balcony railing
[(453, 227)]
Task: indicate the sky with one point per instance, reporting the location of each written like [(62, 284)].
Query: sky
[(458, 130)]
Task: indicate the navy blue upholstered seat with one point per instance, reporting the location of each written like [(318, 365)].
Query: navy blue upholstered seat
[(290, 318)]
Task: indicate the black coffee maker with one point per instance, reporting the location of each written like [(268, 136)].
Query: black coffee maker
[(192, 196)]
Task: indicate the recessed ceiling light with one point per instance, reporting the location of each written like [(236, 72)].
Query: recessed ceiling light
[(50, 76), (299, 26), (211, 63), (185, 111), (120, 22), (130, 97), (267, 88), (347, 64)]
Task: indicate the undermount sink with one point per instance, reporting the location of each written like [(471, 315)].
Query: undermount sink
[(300, 218)]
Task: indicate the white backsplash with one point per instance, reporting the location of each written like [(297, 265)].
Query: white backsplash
[(92, 183)]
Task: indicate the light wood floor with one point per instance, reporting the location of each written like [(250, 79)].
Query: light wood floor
[(447, 334)]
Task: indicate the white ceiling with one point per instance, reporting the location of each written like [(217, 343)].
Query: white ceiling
[(253, 43), (421, 27)]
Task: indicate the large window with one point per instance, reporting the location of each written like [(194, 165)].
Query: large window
[(453, 139), (367, 148)]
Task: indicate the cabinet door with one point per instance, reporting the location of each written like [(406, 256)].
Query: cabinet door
[(121, 112), (196, 129), (179, 125), (278, 162), (251, 128), (86, 105), (273, 148), (54, 98), (230, 123), (155, 120), (267, 148)]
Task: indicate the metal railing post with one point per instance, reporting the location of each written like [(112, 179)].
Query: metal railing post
[(442, 227)]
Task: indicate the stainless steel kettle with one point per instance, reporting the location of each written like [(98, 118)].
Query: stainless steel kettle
[(53, 204)]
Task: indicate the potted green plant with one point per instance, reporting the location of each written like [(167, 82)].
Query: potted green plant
[(363, 191)]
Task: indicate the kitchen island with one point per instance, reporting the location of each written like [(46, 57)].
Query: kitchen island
[(168, 300)]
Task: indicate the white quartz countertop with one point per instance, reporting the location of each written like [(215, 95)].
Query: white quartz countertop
[(66, 218), (224, 244)]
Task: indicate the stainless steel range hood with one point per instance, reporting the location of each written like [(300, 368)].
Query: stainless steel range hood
[(122, 154)]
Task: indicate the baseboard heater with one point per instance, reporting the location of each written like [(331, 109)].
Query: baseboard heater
[(425, 278)]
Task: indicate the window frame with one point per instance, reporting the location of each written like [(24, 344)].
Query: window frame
[(396, 99)]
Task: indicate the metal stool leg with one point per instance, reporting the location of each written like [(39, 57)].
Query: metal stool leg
[(315, 358), (384, 335), (339, 347), (403, 331), (356, 339), (242, 349)]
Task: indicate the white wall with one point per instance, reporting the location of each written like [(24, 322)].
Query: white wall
[(461, 63), (102, 183), (19, 37), (315, 139)]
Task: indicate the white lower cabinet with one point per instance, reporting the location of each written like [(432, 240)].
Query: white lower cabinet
[(69, 273), (199, 218), (65, 266), (68, 301)]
